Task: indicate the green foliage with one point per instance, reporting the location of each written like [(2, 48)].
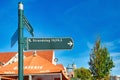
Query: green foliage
[(100, 62), (82, 73)]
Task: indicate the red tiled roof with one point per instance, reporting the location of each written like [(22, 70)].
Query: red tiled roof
[(47, 54), (60, 65), (63, 72), (32, 65), (6, 56)]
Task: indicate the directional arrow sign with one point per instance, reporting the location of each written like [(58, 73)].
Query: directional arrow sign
[(14, 38), (48, 43), (28, 26)]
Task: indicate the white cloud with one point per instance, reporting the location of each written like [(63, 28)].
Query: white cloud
[(112, 45), (73, 8), (117, 62), (90, 45), (114, 54), (116, 59), (116, 68)]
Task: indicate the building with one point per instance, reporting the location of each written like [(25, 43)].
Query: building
[(38, 65), (117, 77)]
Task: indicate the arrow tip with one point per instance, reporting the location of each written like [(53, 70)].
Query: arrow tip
[(70, 43)]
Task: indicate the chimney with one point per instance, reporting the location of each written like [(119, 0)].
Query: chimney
[(35, 53)]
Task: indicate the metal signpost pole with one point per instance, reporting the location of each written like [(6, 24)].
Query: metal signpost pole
[(20, 41)]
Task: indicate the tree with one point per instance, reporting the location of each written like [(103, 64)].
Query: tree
[(100, 62), (82, 73)]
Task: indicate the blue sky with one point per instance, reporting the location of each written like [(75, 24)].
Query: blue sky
[(82, 20)]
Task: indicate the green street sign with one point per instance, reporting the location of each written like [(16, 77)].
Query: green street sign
[(48, 43), (14, 38), (28, 25)]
